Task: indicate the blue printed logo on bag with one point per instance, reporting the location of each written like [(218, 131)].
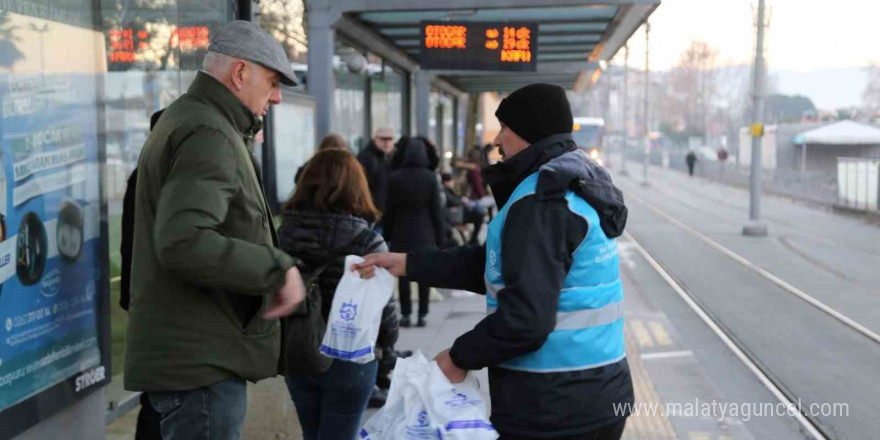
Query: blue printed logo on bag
[(460, 400), (348, 311), (421, 429), (423, 418)]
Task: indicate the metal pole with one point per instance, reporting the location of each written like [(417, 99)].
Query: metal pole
[(804, 157), (624, 100), (647, 139), (755, 227)]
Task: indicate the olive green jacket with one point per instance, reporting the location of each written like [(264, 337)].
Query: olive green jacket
[(205, 263)]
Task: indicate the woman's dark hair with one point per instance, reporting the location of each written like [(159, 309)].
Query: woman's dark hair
[(334, 182), (405, 142)]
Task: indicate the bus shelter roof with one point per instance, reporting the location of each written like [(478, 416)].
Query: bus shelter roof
[(575, 38)]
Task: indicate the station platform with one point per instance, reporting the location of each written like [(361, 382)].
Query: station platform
[(681, 366)]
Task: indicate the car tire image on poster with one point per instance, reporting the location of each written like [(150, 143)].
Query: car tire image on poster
[(30, 249)]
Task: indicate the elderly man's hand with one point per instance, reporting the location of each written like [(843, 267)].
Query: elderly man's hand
[(392, 262), (288, 297), (452, 372)]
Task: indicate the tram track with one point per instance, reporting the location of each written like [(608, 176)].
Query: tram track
[(810, 424)]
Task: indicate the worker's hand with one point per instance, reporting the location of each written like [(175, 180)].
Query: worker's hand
[(288, 297), (392, 262), (452, 372)]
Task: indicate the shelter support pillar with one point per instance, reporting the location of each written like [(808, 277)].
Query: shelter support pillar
[(470, 128), (321, 82), (423, 102)]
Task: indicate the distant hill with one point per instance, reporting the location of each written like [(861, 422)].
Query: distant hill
[(829, 89)]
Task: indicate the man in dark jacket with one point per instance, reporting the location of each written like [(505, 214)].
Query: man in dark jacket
[(691, 160), (553, 337), (374, 159), (208, 282)]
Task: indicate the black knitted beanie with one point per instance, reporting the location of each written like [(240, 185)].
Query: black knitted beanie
[(536, 111)]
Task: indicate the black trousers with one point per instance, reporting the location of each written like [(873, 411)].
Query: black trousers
[(609, 432), (406, 302)]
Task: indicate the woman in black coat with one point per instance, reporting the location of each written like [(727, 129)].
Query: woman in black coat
[(329, 217), (414, 212)]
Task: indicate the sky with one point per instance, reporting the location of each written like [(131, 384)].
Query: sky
[(808, 41)]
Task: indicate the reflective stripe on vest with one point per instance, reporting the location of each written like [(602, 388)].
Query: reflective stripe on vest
[(589, 320)]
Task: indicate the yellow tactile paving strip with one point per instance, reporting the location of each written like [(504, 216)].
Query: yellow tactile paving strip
[(644, 426)]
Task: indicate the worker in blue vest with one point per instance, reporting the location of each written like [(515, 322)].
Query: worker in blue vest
[(553, 336)]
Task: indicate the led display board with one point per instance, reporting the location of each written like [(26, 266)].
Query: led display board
[(478, 46)]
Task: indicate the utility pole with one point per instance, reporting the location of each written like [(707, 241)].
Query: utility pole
[(624, 100), (647, 139), (755, 227)]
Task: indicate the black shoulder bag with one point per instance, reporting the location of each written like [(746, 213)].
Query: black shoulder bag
[(305, 329)]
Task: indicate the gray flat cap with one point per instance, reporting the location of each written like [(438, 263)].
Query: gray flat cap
[(245, 40)]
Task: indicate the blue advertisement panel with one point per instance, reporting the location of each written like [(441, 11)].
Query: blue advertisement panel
[(53, 251), (50, 263)]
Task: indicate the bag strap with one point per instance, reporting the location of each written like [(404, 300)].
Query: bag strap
[(317, 272)]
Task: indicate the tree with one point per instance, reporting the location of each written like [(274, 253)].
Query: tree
[(285, 20), (9, 52), (693, 84), (787, 108)]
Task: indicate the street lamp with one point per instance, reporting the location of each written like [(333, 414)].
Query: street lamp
[(624, 99), (647, 138), (755, 227)]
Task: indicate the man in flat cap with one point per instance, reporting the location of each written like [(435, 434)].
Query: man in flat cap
[(208, 283)]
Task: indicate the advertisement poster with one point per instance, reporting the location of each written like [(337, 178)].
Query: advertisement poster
[(49, 210), (50, 243)]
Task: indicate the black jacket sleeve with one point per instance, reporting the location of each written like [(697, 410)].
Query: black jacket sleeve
[(539, 237), (457, 268), (387, 220), (371, 167), (389, 327), (127, 242)]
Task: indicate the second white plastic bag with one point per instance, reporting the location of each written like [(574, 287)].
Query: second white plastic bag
[(423, 405), (353, 323)]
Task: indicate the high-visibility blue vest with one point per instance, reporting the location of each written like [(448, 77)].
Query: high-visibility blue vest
[(589, 321)]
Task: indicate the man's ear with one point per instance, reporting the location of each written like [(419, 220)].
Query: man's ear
[(238, 74)]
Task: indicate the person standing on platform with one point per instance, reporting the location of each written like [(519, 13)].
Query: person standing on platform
[(414, 213), (375, 160), (208, 282)]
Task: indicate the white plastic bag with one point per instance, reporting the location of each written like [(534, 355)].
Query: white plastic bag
[(423, 405), (353, 324), (458, 408)]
